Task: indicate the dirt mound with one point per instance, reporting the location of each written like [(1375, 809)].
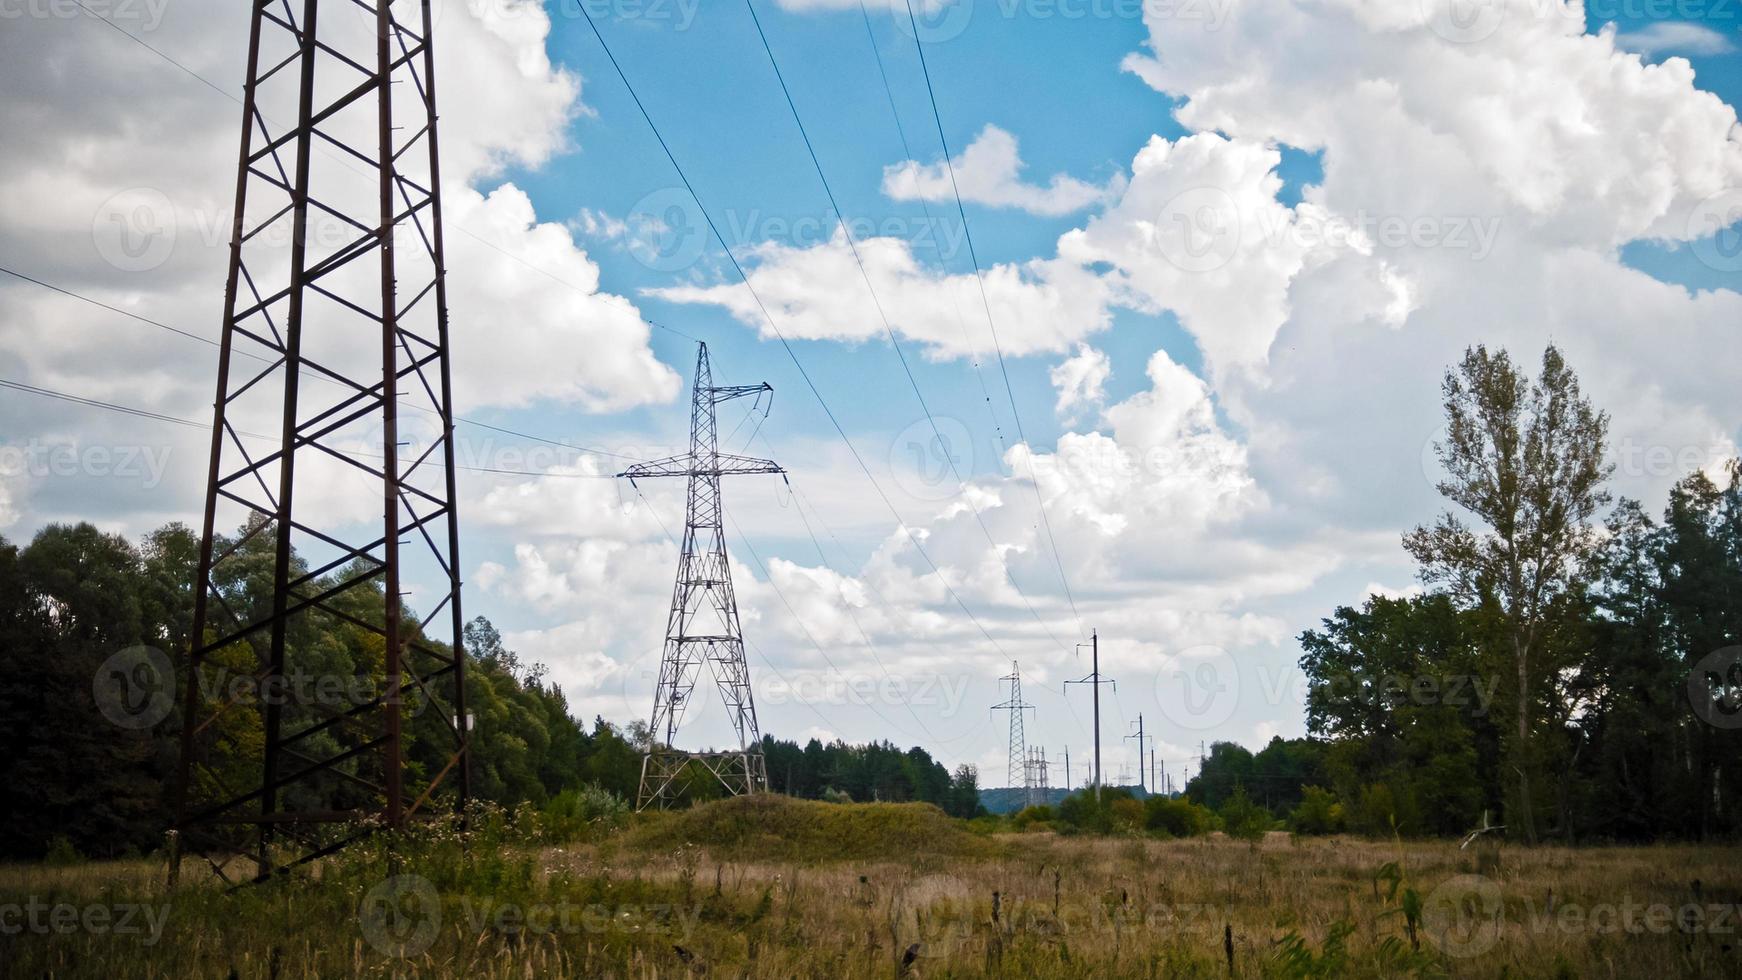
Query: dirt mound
[(773, 827)]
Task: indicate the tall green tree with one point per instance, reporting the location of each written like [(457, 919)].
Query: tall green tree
[(1524, 461)]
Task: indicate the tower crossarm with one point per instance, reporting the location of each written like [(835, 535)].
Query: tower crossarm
[(723, 464), (726, 393)]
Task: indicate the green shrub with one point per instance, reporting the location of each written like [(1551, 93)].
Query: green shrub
[(1243, 819), (1097, 815), (1177, 817), (1384, 810), (1318, 812), (577, 813), (62, 853)]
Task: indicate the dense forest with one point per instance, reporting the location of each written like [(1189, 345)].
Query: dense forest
[(85, 772), (1574, 669)]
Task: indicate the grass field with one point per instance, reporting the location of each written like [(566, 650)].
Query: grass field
[(777, 888)]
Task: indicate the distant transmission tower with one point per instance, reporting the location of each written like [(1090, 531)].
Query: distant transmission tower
[(703, 624), (1020, 773), (335, 323), (1035, 778)]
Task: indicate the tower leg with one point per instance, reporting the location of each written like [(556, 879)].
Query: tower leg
[(338, 346)]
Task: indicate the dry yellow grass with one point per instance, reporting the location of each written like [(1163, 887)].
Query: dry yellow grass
[(1020, 905)]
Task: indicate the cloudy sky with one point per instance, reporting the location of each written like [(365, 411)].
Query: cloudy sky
[(1225, 250)]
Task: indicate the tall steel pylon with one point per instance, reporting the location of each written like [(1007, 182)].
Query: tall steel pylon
[(335, 320), (1020, 773), (703, 624)]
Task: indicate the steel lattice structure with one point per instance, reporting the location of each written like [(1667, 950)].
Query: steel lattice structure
[(1037, 780), (1020, 772), (703, 625), (335, 323)]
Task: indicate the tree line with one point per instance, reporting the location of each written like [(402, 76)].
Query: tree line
[(1572, 669), (89, 767)]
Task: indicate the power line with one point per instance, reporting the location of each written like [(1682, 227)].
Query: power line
[(347, 164), (176, 420), (801, 501), (888, 329), (249, 354), (767, 661), (94, 403), (925, 206), (779, 334), (968, 236), (711, 225)]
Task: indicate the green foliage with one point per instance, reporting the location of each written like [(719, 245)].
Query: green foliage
[(583, 812), (62, 853), (1100, 813), (1318, 813), (1525, 469), (1295, 958), (1242, 819), (876, 772), (1177, 817)]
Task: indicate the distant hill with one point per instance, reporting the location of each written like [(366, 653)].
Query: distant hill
[(1008, 800), (768, 826)]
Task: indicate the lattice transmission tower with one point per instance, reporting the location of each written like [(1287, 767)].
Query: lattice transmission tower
[(1037, 779), (703, 625), (1020, 773), (321, 510)]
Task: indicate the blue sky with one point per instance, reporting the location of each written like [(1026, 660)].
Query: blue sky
[(1285, 395)]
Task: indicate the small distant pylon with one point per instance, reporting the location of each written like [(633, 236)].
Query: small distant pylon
[(1019, 771), (1036, 782)]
